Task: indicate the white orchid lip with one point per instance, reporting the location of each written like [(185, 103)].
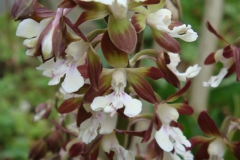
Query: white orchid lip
[(191, 71), (118, 98)]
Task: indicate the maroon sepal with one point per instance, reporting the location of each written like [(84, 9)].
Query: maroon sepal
[(94, 67), (158, 150), (38, 48), (197, 140), (38, 150), (236, 55), (83, 69), (122, 34), (228, 51), (166, 41), (82, 115), (132, 133), (58, 126), (207, 125), (169, 76), (180, 92), (202, 152), (110, 155), (23, 9), (142, 87), (184, 108), (41, 12), (148, 133), (77, 149), (231, 70), (150, 72), (67, 4), (89, 15), (210, 59), (212, 30), (92, 6), (236, 149), (104, 85), (59, 40), (55, 141), (75, 29), (114, 56), (138, 23), (70, 105)]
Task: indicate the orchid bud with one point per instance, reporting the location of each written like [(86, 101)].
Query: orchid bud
[(38, 150), (42, 111), (23, 9), (75, 148), (55, 141)]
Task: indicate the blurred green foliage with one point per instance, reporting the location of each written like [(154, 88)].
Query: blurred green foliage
[(22, 87)]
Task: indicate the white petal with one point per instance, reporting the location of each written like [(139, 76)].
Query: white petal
[(216, 148), (184, 32), (77, 49), (214, 81), (30, 52), (99, 103), (167, 113), (107, 123), (122, 154), (108, 141), (119, 10), (122, 2), (107, 2), (178, 136), (162, 138), (160, 19), (47, 47), (132, 106), (28, 28), (55, 80), (30, 43), (191, 72), (88, 130), (73, 80)]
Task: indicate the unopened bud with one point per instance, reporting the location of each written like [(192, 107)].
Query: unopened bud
[(23, 9)]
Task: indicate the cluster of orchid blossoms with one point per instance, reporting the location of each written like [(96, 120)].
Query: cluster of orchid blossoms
[(106, 103)]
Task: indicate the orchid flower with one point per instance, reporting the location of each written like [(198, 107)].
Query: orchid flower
[(118, 98), (162, 20), (228, 56), (31, 30), (110, 143), (214, 146), (68, 67), (168, 137), (214, 81), (163, 28), (89, 128)]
